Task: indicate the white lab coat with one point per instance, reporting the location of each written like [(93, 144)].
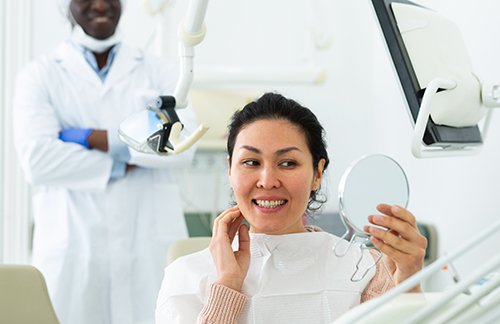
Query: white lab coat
[(100, 243), (294, 278)]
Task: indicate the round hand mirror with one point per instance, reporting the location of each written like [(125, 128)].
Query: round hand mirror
[(369, 181)]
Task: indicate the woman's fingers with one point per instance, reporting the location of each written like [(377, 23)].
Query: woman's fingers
[(223, 219), (394, 226), (402, 233), (390, 238), (387, 249), (226, 225), (244, 239), (398, 212), (398, 220), (402, 243), (243, 253), (232, 266), (412, 249), (235, 226)]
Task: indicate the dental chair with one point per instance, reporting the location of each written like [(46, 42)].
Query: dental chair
[(186, 246), (24, 298)]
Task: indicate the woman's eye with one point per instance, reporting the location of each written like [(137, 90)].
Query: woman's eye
[(250, 163), (288, 164)]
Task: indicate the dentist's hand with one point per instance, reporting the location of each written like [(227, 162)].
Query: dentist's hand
[(86, 137), (76, 135), (232, 266), (402, 245)]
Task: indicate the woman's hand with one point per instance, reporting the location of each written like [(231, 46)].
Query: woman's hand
[(232, 266), (402, 244)]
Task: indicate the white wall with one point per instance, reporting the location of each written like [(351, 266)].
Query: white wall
[(15, 52), (360, 104)]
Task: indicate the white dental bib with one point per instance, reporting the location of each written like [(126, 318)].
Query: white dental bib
[(294, 278)]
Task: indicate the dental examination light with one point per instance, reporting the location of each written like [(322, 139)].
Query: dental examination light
[(445, 98), (157, 129)]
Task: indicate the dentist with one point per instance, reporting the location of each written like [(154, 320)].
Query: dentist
[(103, 215)]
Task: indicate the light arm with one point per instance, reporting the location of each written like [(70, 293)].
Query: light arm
[(191, 32), (165, 139)]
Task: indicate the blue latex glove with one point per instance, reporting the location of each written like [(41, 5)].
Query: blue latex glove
[(76, 135)]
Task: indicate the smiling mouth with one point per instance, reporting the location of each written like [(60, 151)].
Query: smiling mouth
[(101, 19), (271, 204)]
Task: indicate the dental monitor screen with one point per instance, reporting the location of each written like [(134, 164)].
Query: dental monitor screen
[(424, 46)]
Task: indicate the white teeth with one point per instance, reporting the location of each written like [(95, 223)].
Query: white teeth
[(269, 203), (101, 19)]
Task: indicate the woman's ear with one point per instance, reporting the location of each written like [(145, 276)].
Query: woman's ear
[(319, 175)]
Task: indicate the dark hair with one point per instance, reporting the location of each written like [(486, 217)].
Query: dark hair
[(275, 106)]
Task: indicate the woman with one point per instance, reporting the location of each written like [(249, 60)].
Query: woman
[(282, 271)]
